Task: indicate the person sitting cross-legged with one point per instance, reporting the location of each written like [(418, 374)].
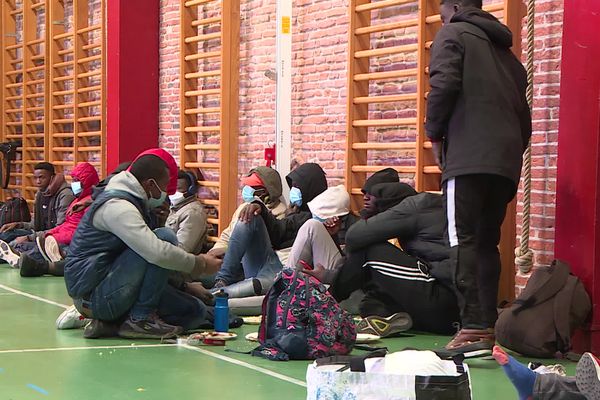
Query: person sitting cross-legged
[(118, 267)]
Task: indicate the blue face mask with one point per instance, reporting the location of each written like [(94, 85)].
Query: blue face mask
[(76, 187), (319, 219), (248, 193), (295, 197), (154, 203)]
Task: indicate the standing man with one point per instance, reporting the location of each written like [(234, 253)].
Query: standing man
[(479, 123)]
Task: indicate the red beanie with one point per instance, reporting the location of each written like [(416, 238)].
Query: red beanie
[(171, 164)]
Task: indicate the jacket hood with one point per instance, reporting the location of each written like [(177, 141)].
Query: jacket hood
[(126, 182), (387, 195), (87, 175), (333, 202), (310, 179), (271, 179), (171, 165), (498, 33), (57, 184), (387, 175)]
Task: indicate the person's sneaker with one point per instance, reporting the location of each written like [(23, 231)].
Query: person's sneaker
[(96, 329), (40, 241), (472, 343), (385, 326), (151, 328), (71, 319), (9, 255), (29, 267), (52, 249), (587, 376)]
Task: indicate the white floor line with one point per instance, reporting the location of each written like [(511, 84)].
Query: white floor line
[(34, 297), (49, 349), (246, 365)]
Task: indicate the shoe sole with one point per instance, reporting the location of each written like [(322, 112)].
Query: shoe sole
[(387, 326), (586, 377), (71, 319), (142, 335), (472, 350), (8, 254), (41, 248), (52, 249)]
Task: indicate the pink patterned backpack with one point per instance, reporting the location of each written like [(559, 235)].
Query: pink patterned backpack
[(301, 321)]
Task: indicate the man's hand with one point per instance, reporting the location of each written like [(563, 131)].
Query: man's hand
[(212, 263), (162, 213), (249, 212), (21, 239), (10, 227), (437, 148), (333, 225), (196, 289), (291, 210), (217, 252), (318, 272), (80, 206)]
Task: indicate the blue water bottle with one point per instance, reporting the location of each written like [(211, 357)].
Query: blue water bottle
[(222, 311)]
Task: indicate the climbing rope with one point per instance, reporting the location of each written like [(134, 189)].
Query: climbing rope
[(523, 254)]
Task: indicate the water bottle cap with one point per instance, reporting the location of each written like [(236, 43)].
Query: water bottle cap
[(222, 293)]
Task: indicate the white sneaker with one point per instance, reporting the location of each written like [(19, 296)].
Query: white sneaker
[(587, 376), (71, 319), (9, 255), (52, 249)]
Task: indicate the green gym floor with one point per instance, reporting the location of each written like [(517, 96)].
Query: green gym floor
[(39, 362)]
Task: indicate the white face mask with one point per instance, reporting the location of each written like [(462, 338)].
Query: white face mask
[(176, 197)]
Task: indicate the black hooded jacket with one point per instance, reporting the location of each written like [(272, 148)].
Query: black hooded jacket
[(310, 179), (477, 104)]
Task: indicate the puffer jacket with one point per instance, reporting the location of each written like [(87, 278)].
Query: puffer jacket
[(88, 177), (188, 220)]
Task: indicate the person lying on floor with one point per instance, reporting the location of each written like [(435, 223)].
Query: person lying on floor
[(415, 280), (117, 268), (250, 263), (530, 385), (50, 208), (40, 257)]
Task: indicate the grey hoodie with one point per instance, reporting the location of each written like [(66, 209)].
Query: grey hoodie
[(122, 218)]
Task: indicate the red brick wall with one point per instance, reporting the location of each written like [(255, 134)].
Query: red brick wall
[(319, 92)]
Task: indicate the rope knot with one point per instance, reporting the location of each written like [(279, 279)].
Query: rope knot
[(524, 260)]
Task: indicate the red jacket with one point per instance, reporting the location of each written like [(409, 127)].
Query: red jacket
[(88, 177)]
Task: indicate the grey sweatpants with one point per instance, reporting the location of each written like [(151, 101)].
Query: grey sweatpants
[(556, 387)]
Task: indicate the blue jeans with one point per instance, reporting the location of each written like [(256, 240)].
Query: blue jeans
[(249, 251), (137, 288), (15, 233)]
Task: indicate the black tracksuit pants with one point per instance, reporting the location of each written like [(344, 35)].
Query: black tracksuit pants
[(394, 281), (476, 207)]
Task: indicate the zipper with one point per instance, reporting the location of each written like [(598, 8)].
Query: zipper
[(292, 294)]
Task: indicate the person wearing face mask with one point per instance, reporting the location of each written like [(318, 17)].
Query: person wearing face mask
[(250, 263), (31, 257), (118, 265)]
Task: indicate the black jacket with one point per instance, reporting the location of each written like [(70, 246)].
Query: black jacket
[(477, 103), (311, 181), (419, 224)]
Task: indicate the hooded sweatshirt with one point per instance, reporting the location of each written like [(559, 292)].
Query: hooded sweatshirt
[(51, 205), (88, 177), (477, 105), (310, 179), (387, 175)]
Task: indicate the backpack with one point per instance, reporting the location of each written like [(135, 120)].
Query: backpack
[(14, 210), (540, 322), (302, 321)]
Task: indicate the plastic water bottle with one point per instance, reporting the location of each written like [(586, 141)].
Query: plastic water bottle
[(221, 311)]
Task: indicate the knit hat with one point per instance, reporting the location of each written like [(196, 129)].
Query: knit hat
[(387, 175), (333, 202), (171, 164)]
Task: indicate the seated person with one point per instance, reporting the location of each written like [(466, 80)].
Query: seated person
[(117, 268), (187, 217), (31, 257), (320, 239), (256, 236), (387, 175), (50, 208), (415, 280)]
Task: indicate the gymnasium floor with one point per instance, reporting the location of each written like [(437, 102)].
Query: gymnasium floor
[(39, 362)]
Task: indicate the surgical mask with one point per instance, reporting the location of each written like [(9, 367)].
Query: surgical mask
[(248, 193), (154, 203), (76, 187), (176, 197), (319, 218), (295, 197)]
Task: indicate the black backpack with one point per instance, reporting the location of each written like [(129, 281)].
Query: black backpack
[(540, 322), (14, 210)]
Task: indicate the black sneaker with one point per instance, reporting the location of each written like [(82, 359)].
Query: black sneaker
[(151, 328), (385, 326), (100, 329), (28, 267)]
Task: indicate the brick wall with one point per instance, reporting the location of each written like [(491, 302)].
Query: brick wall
[(319, 92)]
